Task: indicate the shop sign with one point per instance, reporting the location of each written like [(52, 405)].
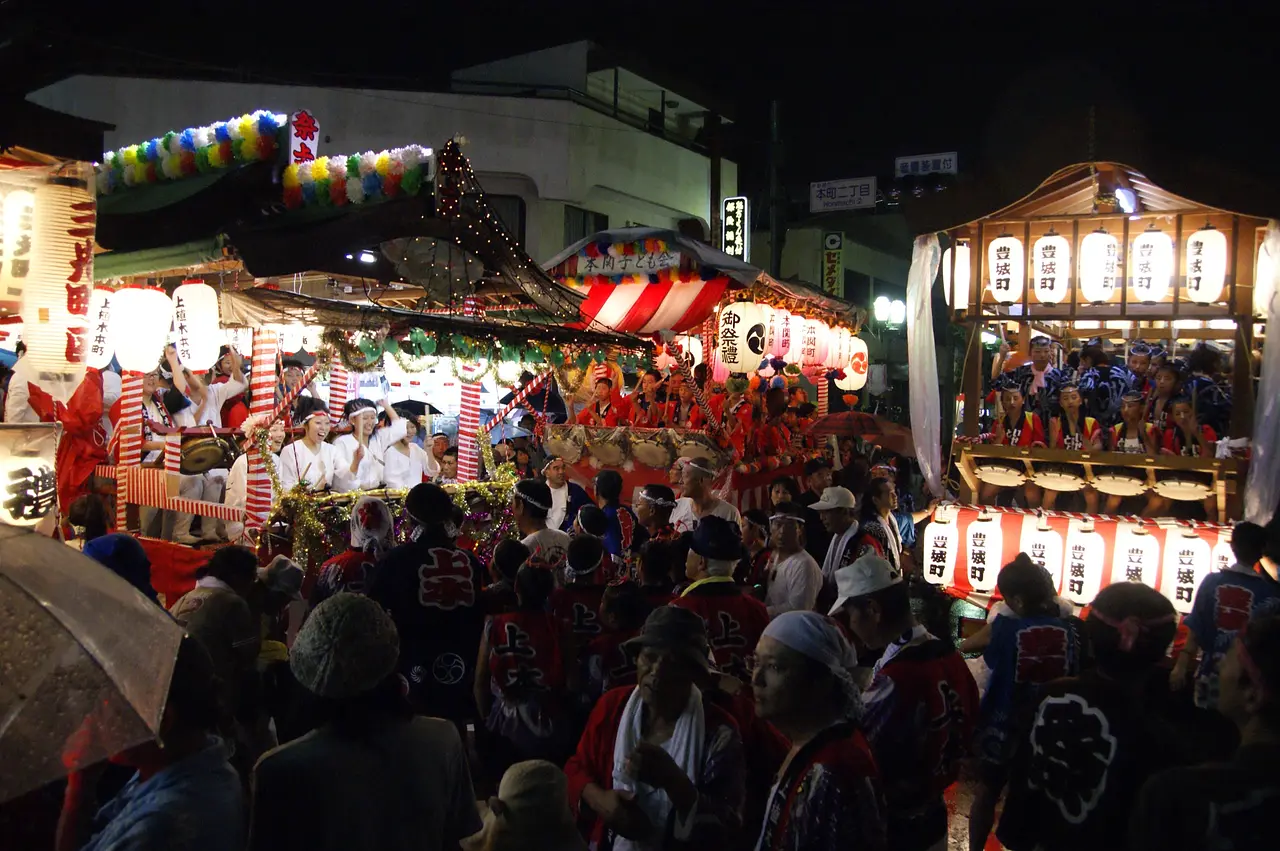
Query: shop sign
[(833, 264), (629, 264), (857, 193), (735, 229), (946, 163)]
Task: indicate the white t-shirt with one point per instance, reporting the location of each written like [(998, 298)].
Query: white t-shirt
[(793, 585), (559, 505), (548, 547), (685, 515)]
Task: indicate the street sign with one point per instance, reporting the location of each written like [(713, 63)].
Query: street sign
[(858, 193), (946, 163), (735, 229), (833, 264)]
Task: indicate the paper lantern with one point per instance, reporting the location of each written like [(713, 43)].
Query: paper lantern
[(51, 246), (1099, 258), (786, 333), (1086, 554), (288, 338), (1206, 265), (719, 372), (140, 322), (811, 332), (1264, 281), (1006, 268), (740, 336), (984, 546), (17, 237), (770, 327), (1051, 268), (843, 339), (311, 335), (1044, 546), (27, 468), (10, 336), (1136, 556), (855, 372), (1151, 266), (940, 547), (1223, 557), (963, 273), (195, 324), (101, 349), (691, 345), (832, 360), (240, 339), (1187, 561)]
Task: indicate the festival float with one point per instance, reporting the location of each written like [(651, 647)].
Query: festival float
[(1097, 251), (702, 306)]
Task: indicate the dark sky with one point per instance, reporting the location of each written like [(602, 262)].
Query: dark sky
[(857, 87)]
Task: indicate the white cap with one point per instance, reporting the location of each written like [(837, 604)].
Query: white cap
[(867, 575), (835, 498)]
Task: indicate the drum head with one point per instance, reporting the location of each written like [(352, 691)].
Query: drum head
[(201, 456), (1120, 483), (651, 453), (697, 451), (1001, 475), (1059, 477), (564, 447), (608, 453), (1183, 489)]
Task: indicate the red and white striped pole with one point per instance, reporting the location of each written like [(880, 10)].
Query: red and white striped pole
[(129, 429), (339, 388), (823, 387), (469, 410), (262, 391)]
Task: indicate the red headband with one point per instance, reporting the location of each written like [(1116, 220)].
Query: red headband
[(1131, 627)]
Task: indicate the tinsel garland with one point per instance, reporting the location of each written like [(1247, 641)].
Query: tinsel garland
[(411, 364), (475, 378), (352, 357)]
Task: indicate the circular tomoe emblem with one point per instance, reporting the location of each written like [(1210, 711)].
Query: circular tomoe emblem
[(449, 669), (755, 339)]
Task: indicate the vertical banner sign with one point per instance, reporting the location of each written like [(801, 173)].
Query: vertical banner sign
[(940, 553), (304, 132), (101, 350), (833, 264), (1086, 553), (985, 548), (1186, 562), (735, 229)]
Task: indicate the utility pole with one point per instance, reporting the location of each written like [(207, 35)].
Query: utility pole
[(776, 201), (713, 145)]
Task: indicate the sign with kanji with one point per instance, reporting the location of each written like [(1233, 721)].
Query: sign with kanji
[(1085, 556), (1044, 546), (858, 193), (833, 264), (1135, 556), (947, 163), (985, 549), (17, 227), (735, 229), (940, 553), (629, 264), (304, 135), (1187, 561)]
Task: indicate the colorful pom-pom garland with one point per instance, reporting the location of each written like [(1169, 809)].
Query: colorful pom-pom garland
[(623, 249), (359, 178), (198, 150)]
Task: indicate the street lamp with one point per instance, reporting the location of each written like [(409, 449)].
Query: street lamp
[(890, 312)]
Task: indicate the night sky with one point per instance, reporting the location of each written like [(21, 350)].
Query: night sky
[(857, 87)]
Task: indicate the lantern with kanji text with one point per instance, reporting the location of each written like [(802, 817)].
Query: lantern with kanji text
[(1151, 266), (855, 371), (100, 348), (940, 550), (1006, 269), (1051, 268), (196, 332), (1085, 554), (1206, 265), (740, 336), (1187, 561), (1099, 261), (984, 546)]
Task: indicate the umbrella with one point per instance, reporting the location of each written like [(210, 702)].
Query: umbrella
[(887, 435), (502, 431), (81, 651), (417, 408)]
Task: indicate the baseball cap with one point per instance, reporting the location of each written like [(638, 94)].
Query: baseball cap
[(813, 465), (867, 575), (835, 497), (716, 538), (282, 576)]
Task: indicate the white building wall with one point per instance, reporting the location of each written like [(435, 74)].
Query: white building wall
[(549, 152)]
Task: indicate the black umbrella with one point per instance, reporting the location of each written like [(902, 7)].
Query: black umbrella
[(418, 409)]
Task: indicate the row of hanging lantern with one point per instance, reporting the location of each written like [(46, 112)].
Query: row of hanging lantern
[(749, 332), (1151, 267)]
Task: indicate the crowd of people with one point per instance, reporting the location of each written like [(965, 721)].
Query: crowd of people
[(1150, 403), (610, 680)]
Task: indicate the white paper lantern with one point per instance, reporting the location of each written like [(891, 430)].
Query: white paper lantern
[(1006, 269), (288, 338), (963, 273), (1187, 561), (740, 336), (311, 338), (845, 341), (785, 334), (812, 342), (1099, 261), (1206, 265), (240, 339), (195, 324), (27, 468), (140, 322), (1222, 556), (767, 313), (1051, 268), (10, 336), (1044, 546), (855, 372), (940, 548), (832, 360), (1136, 556), (17, 237), (1151, 266), (100, 349), (984, 547), (1086, 553), (1264, 280), (691, 344)]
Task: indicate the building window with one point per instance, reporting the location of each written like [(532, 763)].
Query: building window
[(580, 223), (511, 212)]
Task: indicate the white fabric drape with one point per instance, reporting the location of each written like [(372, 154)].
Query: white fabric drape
[(1263, 491), (922, 362)]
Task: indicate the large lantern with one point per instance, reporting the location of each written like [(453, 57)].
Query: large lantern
[(195, 324), (1136, 556), (984, 544), (855, 371), (963, 273), (1006, 268), (811, 339), (1099, 258), (1264, 281), (770, 327), (101, 349), (741, 336), (1151, 266), (1051, 268), (1206, 265), (832, 360), (140, 322), (940, 547), (1187, 561), (1086, 552), (289, 337), (311, 338), (785, 334), (1044, 546)]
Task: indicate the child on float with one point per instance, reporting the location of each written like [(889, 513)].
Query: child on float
[(1017, 427), (1166, 387), (1070, 429), (1187, 438), (1133, 435)]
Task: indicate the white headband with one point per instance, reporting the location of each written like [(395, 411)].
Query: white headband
[(664, 503), (569, 569), (530, 500), (790, 517), (689, 462)]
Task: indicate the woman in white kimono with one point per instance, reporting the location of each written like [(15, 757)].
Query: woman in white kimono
[(406, 463), (237, 495), (370, 444), (311, 460)]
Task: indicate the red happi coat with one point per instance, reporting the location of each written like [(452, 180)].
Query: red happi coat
[(680, 417), (613, 416), (1027, 429), (608, 664), (735, 621), (576, 609), (524, 654), (646, 414)]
